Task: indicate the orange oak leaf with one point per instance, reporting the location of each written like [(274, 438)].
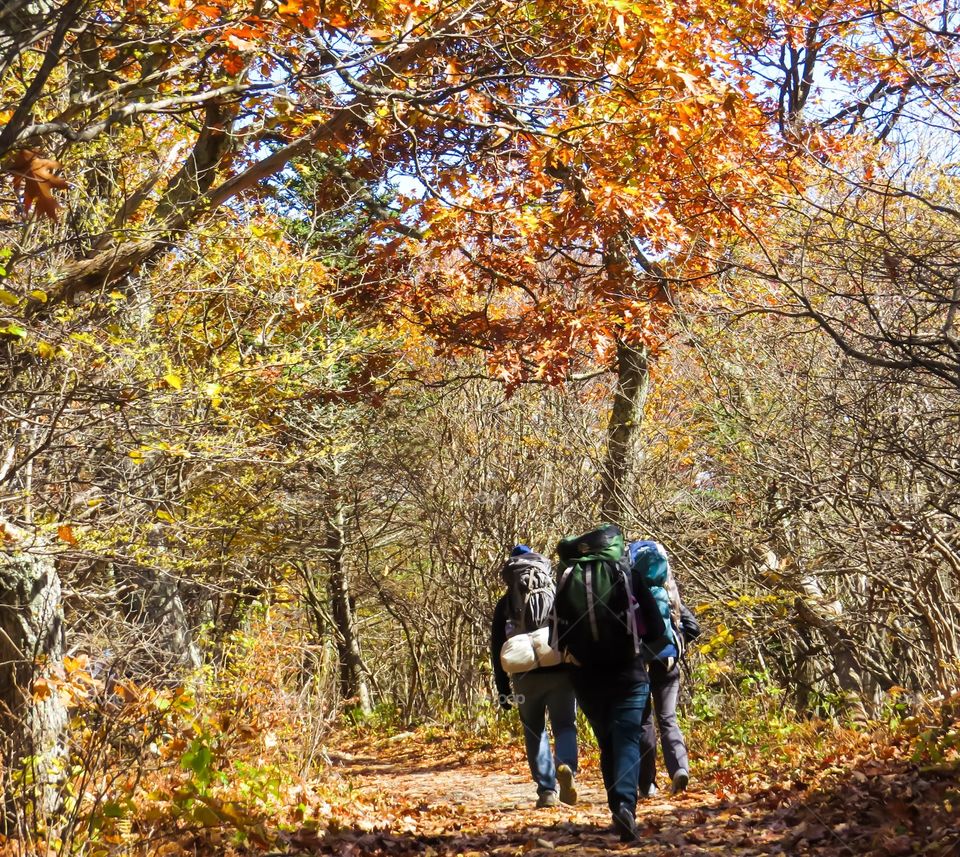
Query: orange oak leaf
[(37, 177)]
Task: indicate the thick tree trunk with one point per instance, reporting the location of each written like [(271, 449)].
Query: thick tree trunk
[(353, 682), (32, 714), (623, 430)]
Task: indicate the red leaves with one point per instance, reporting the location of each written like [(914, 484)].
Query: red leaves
[(37, 178)]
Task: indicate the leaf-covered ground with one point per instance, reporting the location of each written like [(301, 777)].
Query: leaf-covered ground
[(436, 795), (251, 787)]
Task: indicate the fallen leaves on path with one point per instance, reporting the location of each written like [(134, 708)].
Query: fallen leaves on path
[(817, 791), (852, 794)]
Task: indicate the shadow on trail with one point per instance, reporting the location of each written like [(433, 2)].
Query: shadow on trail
[(373, 768), (532, 841)]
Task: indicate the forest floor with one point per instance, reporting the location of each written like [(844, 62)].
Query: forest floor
[(763, 782), (431, 794)]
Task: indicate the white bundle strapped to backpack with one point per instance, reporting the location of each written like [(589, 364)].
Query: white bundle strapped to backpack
[(530, 591), (524, 652)]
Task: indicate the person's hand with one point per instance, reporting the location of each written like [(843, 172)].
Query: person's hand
[(505, 704)]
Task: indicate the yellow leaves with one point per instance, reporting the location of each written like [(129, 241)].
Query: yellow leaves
[(139, 454), (269, 229), (212, 392), (165, 516), (719, 642), (87, 339), (174, 381), (8, 298)]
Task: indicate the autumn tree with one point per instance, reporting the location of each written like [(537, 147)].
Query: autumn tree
[(220, 218)]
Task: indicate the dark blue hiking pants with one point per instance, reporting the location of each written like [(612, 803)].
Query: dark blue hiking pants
[(615, 713)]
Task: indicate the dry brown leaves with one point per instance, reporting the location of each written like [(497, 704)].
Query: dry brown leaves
[(37, 177)]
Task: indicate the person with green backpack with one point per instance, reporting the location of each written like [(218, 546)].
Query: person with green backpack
[(607, 620)]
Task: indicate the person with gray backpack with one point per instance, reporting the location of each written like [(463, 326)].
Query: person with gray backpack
[(522, 654)]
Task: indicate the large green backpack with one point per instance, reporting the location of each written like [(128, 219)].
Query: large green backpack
[(596, 616)]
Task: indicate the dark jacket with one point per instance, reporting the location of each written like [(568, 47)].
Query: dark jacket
[(498, 636)]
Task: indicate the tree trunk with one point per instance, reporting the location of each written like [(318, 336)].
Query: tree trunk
[(353, 682), (32, 715), (623, 430)]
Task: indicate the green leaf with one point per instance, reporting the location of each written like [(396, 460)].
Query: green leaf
[(199, 759), (112, 809), (14, 330)]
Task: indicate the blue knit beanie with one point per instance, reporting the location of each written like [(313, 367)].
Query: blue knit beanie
[(520, 549)]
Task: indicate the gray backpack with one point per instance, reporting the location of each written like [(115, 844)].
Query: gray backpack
[(530, 592)]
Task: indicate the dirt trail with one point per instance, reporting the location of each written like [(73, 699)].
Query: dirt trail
[(438, 796), (467, 804)]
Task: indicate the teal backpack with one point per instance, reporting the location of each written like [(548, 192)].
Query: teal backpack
[(649, 560)]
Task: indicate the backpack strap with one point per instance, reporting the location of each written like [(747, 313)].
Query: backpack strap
[(632, 607), (678, 640), (591, 612), (554, 618)]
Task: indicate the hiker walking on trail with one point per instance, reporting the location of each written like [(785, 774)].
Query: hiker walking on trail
[(649, 561), (520, 650), (607, 619)]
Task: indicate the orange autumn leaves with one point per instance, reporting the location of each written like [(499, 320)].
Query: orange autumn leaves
[(36, 177), (636, 136)]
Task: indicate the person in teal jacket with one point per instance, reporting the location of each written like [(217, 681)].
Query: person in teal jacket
[(650, 559)]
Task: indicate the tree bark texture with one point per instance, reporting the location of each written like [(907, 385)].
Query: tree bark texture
[(31, 648), (164, 647), (353, 683), (623, 430)]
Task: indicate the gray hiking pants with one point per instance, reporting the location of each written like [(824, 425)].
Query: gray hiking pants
[(664, 691)]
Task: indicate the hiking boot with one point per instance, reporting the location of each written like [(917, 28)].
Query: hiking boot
[(680, 780), (568, 788), (625, 824), (649, 791), (547, 798)]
